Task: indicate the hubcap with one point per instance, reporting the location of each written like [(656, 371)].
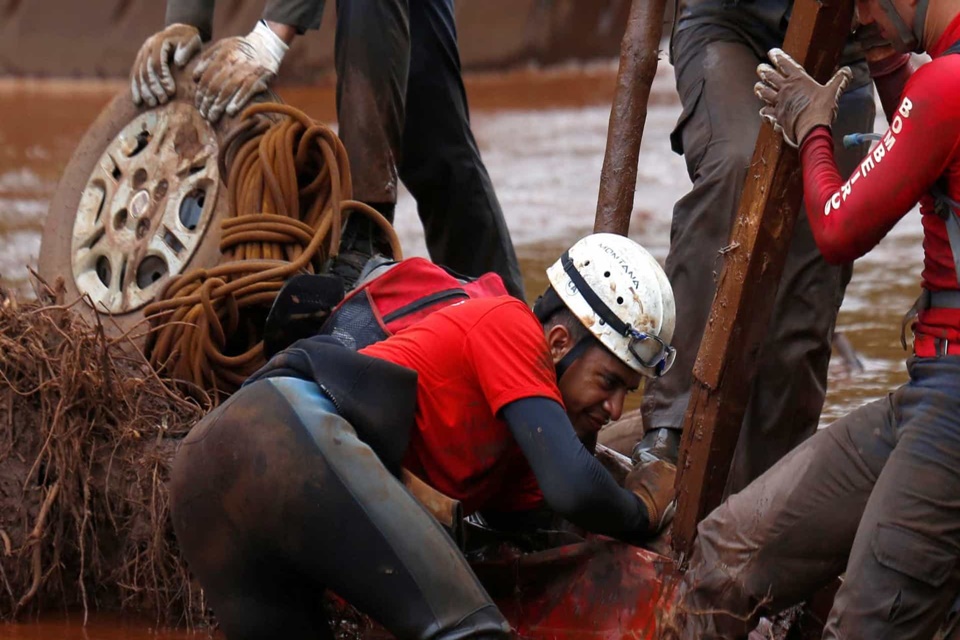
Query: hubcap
[(145, 208)]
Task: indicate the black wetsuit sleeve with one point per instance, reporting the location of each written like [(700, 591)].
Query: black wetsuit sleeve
[(573, 483)]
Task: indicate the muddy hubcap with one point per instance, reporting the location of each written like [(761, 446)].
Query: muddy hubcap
[(145, 208)]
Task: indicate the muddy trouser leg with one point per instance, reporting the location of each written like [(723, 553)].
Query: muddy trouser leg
[(441, 165), (275, 500), (790, 531), (904, 573), (718, 129), (372, 57)]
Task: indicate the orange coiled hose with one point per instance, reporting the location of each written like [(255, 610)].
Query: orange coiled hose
[(208, 323)]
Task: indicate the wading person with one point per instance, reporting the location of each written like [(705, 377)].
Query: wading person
[(401, 107), (290, 487), (715, 49), (876, 494)]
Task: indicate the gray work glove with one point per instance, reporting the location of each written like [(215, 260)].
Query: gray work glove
[(150, 79), (795, 103), (235, 69)]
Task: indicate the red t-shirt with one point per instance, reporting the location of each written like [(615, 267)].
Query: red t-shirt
[(471, 359), (921, 146)]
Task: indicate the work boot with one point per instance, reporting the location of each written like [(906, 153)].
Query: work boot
[(658, 444), (362, 239)]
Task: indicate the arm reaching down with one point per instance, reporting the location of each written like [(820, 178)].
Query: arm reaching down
[(573, 483)]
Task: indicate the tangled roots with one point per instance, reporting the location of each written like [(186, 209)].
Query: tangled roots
[(87, 434)]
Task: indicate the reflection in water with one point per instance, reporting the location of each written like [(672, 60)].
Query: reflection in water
[(542, 136)]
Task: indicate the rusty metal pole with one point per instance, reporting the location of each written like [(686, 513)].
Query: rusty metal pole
[(639, 52), (752, 266)]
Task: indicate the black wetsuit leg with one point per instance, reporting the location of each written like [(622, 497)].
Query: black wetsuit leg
[(275, 500)]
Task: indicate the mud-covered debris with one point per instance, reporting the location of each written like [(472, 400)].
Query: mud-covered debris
[(87, 433)]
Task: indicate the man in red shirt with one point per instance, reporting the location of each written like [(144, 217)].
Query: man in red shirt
[(876, 494), (290, 487)]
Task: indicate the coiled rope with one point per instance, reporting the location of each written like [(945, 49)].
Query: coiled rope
[(207, 323)]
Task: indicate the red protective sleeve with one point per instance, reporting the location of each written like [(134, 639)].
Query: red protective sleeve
[(850, 218)]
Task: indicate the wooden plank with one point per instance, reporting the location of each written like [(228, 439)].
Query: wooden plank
[(752, 265), (639, 52)]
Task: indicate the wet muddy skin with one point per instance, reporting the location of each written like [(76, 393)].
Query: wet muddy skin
[(542, 135)]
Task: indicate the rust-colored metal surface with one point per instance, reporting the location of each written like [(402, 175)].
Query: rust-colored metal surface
[(598, 590), (639, 53), (752, 266)]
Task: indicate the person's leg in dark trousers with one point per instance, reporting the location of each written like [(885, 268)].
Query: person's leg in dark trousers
[(441, 165), (274, 499), (789, 532), (718, 132), (372, 56), (904, 569)]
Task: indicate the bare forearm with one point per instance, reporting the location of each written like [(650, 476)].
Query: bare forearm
[(285, 32)]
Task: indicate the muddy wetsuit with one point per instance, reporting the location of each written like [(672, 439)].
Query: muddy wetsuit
[(290, 487), (402, 109), (715, 49), (878, 492)]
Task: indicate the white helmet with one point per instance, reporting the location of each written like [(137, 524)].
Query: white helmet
[(621, 294)]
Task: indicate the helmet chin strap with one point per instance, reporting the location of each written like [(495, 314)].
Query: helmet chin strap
[(907, 40), (571, 356), (545, 307), (920, 23)]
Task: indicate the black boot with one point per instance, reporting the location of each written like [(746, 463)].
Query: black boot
[(362, 240)]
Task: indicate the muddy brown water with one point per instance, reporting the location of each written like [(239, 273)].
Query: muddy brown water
[(542, 135)]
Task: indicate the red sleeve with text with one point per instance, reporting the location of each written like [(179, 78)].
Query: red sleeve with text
[(850, 218)]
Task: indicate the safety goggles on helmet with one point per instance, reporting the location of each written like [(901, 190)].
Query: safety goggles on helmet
[(661, 360)]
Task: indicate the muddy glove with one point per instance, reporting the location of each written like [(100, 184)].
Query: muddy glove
[(235, 69), (795, 102), (150, 79), (653, 482)]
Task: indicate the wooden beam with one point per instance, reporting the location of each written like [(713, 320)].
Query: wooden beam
[(639, 52), (752, 265)]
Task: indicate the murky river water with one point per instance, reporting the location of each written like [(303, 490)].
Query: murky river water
[(542, 135)]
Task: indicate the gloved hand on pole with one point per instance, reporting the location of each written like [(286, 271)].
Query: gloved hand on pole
[(795, 103), (235, 69), (151, 81)]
